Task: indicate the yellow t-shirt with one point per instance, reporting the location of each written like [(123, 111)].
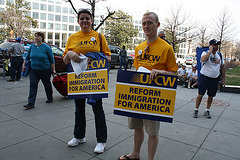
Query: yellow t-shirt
[(83, 42), (157, 55)]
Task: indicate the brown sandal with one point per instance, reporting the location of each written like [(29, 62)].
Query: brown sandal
[(128, 158)]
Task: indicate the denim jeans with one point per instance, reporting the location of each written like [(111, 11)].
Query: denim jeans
[(16, 67), (123, 62), (35, 76), (80, 120)]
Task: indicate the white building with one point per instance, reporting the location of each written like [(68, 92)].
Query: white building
[(58, 21)]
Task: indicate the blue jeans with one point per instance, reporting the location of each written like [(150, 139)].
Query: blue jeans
[(123, 62), (35, 76), (16, 67), (80, 120)]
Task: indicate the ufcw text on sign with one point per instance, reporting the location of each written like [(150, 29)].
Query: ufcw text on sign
[(137, 96), (92, 83)]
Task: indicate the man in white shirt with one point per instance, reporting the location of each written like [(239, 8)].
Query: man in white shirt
[(192, 77), (182, 74), (208, 80)]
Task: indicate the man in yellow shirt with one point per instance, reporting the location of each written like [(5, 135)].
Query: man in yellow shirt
[(157, 56)]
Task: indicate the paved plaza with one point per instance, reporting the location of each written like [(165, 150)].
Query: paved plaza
[(42, 133)]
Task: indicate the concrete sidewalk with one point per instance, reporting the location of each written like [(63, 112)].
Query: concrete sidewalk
[(43, 132)]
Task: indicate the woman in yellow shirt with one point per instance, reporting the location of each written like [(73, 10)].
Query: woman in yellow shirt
[(87, 40)]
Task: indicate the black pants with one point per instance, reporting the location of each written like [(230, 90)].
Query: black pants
[(80, 120), (16, 67), (35, 77)]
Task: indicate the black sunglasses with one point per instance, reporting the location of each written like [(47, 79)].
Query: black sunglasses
[(163, 37), (84, 10), (146, 52)]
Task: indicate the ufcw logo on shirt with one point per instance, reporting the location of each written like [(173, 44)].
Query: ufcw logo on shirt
[(153, 58), (87, 42)]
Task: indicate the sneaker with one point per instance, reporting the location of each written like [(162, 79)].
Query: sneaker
[(195, 114), (207, 114), (49, 101), (100, 147), (192, 86), (11, 80), (188, 87), (74, 142), (28, 106)]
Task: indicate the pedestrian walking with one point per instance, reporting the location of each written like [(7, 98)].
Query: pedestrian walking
[(164, 64), (84, 41), (211, 61)]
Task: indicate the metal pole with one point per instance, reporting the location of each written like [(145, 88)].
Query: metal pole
[(3, 68)]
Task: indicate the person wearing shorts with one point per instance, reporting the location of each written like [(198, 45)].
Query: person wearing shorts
[(209, 73), (163, 63)]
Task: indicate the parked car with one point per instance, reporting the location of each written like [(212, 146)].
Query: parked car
[(115, 59), (189, 60), (180, 59), (57, 52)]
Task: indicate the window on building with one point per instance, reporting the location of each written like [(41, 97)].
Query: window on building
[(71, 19), (50, 25), (64, 10), (140, 28), (43, 16), (28, 14), (50, 35), (2, 2), (64, 18), (44, 0), (77, 28), (35, 15), (57, 17), (51, 8), (43, 7), (57, 26), (71, 27), (57, 9), (71, 11), (35, 5), (10, 1), (50, 17), (51, 1), (43, 25), (1, 10), (57, 35), (57, 43), (64, 27)]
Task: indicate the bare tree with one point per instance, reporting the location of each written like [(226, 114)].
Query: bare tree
[(203, 35), (236, 51), (92, 3), (176, 27), (224, 27)]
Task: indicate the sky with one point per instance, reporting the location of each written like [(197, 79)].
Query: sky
[(201, 11)]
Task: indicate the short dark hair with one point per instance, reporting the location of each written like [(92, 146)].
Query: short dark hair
[(154, 14), (40, 34), (84, 10)]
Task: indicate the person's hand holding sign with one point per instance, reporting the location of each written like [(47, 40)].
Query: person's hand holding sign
[(73, 56), (155, 72)]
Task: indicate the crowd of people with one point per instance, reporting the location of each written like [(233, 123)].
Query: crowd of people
[(188, 77), (43, 65)]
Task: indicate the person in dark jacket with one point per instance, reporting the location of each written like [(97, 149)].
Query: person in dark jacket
[(16, 51), (123, 58), (42, 66)]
